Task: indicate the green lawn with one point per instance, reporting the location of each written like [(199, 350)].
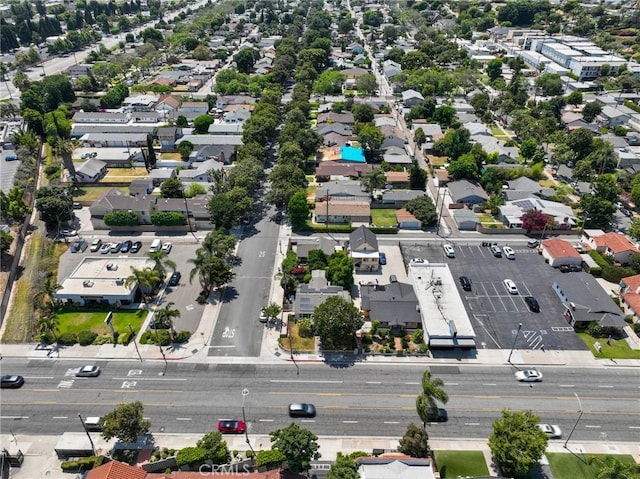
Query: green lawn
[(568, 466), (74, 321), (92, 193), (619, 349), (453, 464), (384, 217)]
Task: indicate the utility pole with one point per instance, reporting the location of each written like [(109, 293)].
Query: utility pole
[(577, 420), (514, 342), (84, 426), (133, 338), (245, 393)]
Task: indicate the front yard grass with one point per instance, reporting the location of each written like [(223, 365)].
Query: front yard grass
[(619, 349), (297, 343), (453, 464), (73, 321), (92, 193), (385, 218), (568, 466)]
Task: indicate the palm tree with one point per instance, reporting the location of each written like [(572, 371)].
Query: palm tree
[(426, 402), (64, 148), (161, 261), (145, 279), (165, 316), (219, 244), (612, 468), (46, 291), (48, 325), (211, 270)]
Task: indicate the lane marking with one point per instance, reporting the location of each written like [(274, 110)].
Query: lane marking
[(14, 417), (391, 422), (308, 420), (567, 386), (593, 427), (374, 382), (349, 422), (412, 384), (471, 423), (224, 346), (184, 419), (60, 417), (490, 384), (307, 381), (149, 379), (451, 384), (634, 427), (604, 386), (265, 420)]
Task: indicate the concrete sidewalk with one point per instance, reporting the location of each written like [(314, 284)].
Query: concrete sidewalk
[(41, 461)]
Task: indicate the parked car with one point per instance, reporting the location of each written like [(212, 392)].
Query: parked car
[(532, 303), (231, 426), (508, 253), (551, 430), (166, 247), (88, 372), (564, 268), (78, 246), (449, 251), (126, 246), (496, 251), (95, 245), (302, 410), (174, 280), (529, 376), (465, 282), (68, 232), (10, 381), (77, 205), (115, 247), (105, 248), (383, 258), (136, 246), (510, 286)]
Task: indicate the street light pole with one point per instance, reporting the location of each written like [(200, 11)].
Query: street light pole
[(514, 342), (133, 338), (577, 420), (245, 393), (84, 426)]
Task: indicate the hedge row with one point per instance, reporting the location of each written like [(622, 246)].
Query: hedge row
[(82, 464), (86, 338), (607, 270)]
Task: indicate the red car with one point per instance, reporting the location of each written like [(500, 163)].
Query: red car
[(231, 426)]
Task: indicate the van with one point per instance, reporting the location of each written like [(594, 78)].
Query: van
[(532, 243), (156, 245), (93, 424)]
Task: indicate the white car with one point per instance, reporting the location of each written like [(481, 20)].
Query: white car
[(88, 372), (96, 245), (508, 253), (166, 247), (551, 430), (449, 251), (105, 248), (510, 286), (68, 232), (529, 376)]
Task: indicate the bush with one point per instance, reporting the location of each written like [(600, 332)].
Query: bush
[(614, 274), (305, 328), (418, 336), (190, 456), (126, 337), (270, 459), (375, 325), (121, 218), (383, 333), (405, 343), (104, 339), (594, 330), (67, 339), (596, 271), (248, 453), (599, 259), (423, 348), (182, 337), (367, 339), (86, 337), (167, 218), (636, 328), (155, 336), (82, 464)]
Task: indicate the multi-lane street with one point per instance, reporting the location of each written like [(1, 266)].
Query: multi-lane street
[(365, 400)]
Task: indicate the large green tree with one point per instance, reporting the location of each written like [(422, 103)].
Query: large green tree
[(336, 321), (517, 443), (298, 209), (423, 209), (415, 442), (299, 446), (215, 448), (125, 423)]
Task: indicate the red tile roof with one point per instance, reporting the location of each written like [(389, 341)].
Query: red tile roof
[(404, 215), (273, 474), (632, 283), (117, 470), (397, 177), (557, 248), (633, 300), (617, 243)]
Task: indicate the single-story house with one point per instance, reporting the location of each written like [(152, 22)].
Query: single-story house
[(342, 190), (398, 179), (630, 294), (395, 305), (611, 244), (115, 200), (158, 175), (560, 252), (407, 221), (333, 170), (467, 192), (512, 211), (396, 466), (342, 212), (301, 246), (313, 294), (585, 301), (399, 198), (411, 98), (141, 187), (91, 171)]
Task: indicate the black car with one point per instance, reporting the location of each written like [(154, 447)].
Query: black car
[(564, 268), (532, 303), (465, 283), (175, 278), (135, 247), (383, 259), (11, 381), (437, 415), (126, 246), (302, 410), (575, 268)]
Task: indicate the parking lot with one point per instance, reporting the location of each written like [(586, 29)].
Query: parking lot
[(183, 296), (494, 313)]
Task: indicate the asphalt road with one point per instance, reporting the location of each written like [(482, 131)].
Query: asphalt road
[(366, 400), (238, 331)]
